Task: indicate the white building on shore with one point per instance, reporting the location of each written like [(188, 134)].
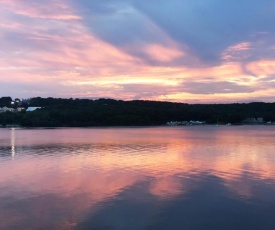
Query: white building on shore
[(6, 109)]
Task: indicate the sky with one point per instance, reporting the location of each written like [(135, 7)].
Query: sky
[(199, 51)]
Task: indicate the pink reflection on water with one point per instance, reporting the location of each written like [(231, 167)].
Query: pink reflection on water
[(75, 171)]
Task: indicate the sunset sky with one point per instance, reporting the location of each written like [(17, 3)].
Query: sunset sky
[(199, 51)]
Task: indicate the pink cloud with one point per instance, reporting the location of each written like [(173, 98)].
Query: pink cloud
[(50, 9), (262, 67), (237, 52), (163, 54)]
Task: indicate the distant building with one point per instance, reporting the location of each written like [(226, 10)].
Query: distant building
[(252, 120), (6, 109), (31, 109), (196, 122), (19, 109), (177, 123)]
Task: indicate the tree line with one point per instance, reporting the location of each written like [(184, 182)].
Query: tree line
[(60, 112)]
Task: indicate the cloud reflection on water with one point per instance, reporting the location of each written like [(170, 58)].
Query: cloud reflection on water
[(86, 170)]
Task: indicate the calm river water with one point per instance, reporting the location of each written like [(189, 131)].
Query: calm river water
[(192, 178)]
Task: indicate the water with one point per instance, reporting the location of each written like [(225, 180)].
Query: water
[(189, 178)]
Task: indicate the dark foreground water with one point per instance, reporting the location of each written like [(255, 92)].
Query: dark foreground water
[(191, 178)]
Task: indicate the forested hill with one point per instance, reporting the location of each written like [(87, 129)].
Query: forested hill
[(56, 112)]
